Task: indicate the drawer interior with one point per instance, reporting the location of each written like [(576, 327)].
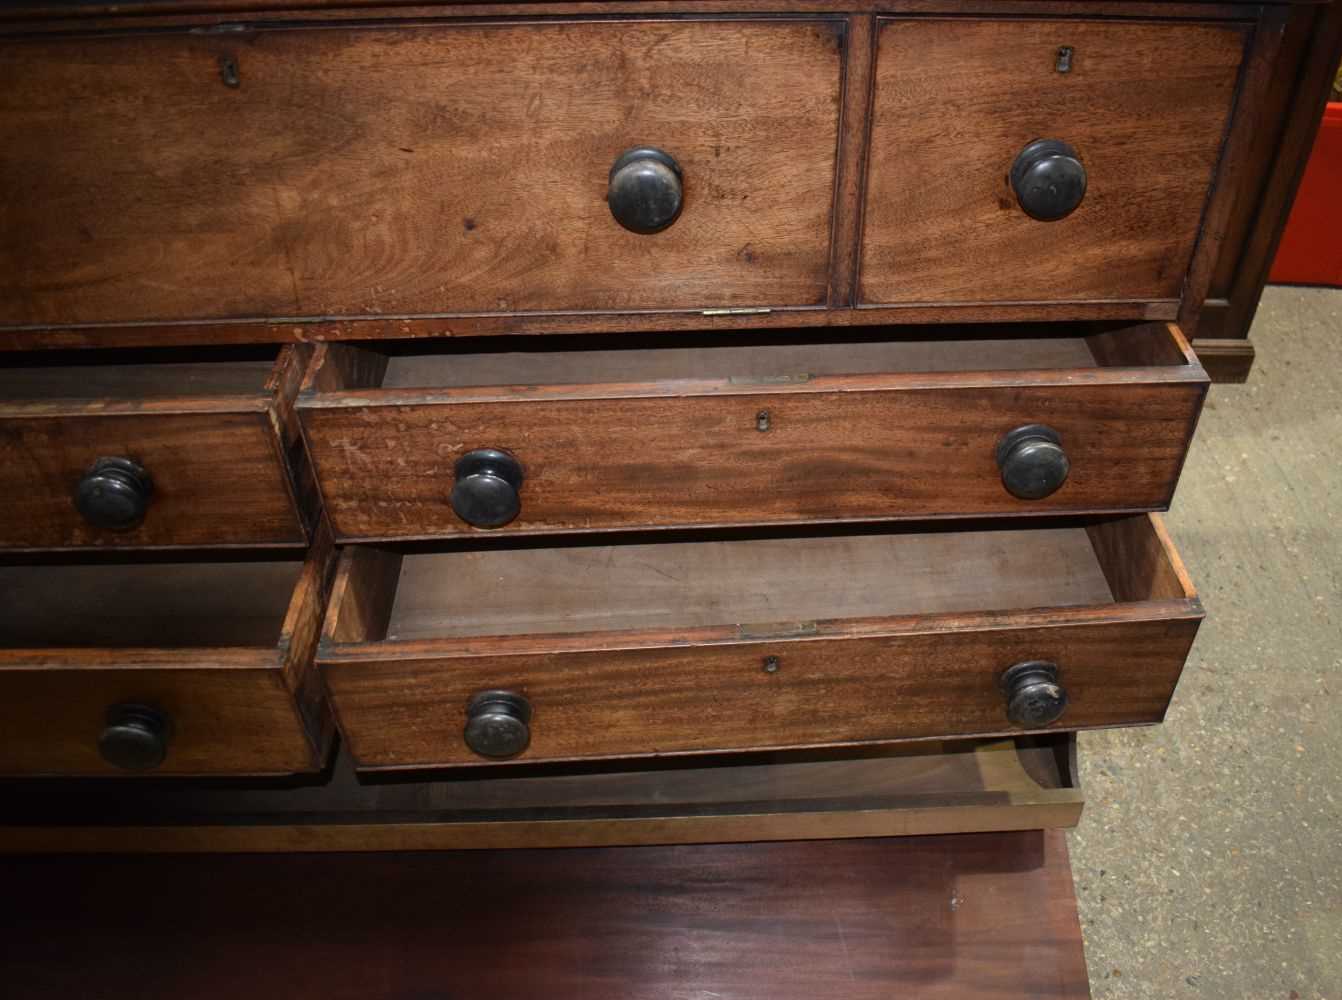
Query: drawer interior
[(158, 604), (774, 355), (681, 585), (137, 374)]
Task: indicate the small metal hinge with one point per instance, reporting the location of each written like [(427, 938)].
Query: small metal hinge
[(1064, 63), (736, 312), (221, 29), (777, 630), (799, 378)]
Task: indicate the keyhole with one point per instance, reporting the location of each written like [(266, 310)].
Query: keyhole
[(228, 71)]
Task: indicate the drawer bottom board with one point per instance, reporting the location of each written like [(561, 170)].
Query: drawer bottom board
[(965, 786)]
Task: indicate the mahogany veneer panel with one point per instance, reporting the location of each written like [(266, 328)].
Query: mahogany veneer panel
[(412, 168), (1145, 105), (973, 916)]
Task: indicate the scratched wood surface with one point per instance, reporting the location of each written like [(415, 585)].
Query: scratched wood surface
[(663, 649), (1144, 105), (973, 916), (413, 169)]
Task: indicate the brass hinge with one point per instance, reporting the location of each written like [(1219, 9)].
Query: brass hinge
[(800, 378), (777, 630)]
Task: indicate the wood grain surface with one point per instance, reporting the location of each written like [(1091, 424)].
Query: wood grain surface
[(674, 437), (413, 168), (224, 649), (52, 15), (973, 916), (620, 681), (211, 434), (701, 584), (910, 790), (1145, 106)]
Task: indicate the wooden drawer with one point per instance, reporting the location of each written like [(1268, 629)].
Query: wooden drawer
[(105, 667), (694, 647), (413, 169), (782, 430), (1144, 107), (966, 786), (153, 450)]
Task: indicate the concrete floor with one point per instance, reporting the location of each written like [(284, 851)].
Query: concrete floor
[(1208, 862)]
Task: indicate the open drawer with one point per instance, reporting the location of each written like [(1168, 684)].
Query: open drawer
[(151, 666), (586, 650), (768, 429), (153, 449)]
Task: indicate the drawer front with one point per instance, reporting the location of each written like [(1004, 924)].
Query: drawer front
[(226, 718), (755, 695), (1142, 107), (211, 478), (368, 171)]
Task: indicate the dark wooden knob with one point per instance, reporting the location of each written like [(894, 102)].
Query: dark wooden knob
[(1048, 179), (114, 494), (498, 724), (1034, 697), (486, 493), (135, 737), (645, 193), (1032, 461)]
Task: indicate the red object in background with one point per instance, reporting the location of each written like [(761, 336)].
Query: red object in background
[(1310, 252)]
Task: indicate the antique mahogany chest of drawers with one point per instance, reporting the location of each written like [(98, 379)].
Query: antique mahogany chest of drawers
[(556, 423)]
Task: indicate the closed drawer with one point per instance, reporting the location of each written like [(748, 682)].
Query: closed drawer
[(119, 668), (1046, 419), (1142, 107), (153, 450), (587, 651), (416, 169)]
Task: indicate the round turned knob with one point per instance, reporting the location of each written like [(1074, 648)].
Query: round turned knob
[(486, 490), (114, 494), (1048, 179), (135, 737), (1032, 461), (498, 723), (1034, 697), (645, 193)]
